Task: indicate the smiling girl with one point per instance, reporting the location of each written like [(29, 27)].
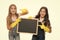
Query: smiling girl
[(11, 18), (43, 18)]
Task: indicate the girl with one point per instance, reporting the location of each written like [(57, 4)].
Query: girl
[(11, 18), (43, 18)]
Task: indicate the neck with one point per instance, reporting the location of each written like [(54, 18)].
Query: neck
[(13, 14), (41, 19)]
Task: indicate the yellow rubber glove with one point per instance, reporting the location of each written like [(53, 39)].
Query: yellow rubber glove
[(30, 17), (46, 29), (16, 22), (24, 11)]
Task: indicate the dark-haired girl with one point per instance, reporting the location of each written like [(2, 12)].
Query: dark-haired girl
[(43, 18)]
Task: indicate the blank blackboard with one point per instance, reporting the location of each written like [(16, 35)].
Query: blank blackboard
[(27, 26)]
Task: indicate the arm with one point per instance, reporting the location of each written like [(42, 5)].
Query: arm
[(23, 12), (8, 24), (12, 25), (49, 26), (15, 23), (46, 28)]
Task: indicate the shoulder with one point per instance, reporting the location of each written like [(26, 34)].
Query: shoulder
[(8, 18)]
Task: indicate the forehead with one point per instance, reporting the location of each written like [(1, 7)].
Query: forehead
[(42, 9), (13, 6)]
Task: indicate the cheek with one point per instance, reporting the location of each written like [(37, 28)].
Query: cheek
[(11, 10), (44, 14), (15, 10)]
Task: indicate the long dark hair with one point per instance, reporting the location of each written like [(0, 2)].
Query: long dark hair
[(46, 18)]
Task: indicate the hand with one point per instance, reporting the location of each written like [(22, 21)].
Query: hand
[(30, 17), (46, 29), (42, 26), (24, 11), (9, 28)]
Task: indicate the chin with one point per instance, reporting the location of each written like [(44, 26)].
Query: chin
[(42, 16)]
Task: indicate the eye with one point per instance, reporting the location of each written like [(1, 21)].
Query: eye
[(11, 8)]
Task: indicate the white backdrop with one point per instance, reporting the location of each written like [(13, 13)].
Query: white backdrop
[(33, 7)]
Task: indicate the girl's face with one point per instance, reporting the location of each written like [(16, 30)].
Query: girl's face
[(13, 9), (42, 13)]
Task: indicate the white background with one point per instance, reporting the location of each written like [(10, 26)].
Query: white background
[(33, 7)]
